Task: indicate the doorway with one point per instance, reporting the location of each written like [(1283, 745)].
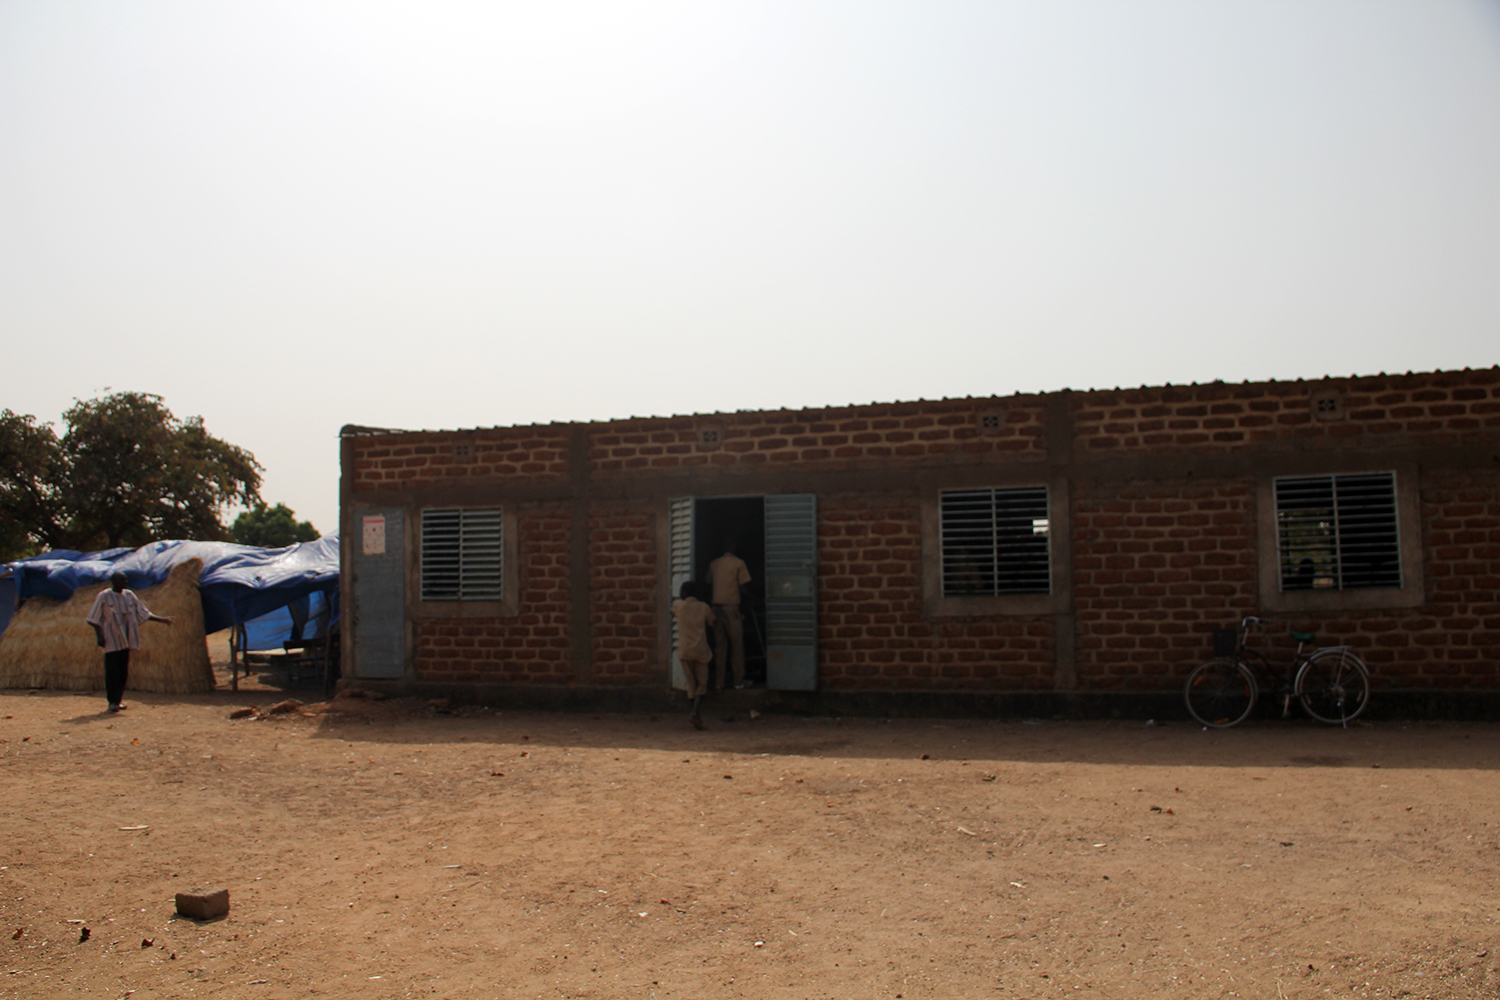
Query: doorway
[(716, 521), (776, 536)]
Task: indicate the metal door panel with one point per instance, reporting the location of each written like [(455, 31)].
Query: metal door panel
[(380, 602), (792, 592), (680, 560)]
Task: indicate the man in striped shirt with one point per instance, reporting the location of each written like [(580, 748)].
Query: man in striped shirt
[(117, 616)]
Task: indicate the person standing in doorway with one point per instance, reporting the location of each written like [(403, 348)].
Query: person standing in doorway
[(693, 619), (729, 575), (117, 617)]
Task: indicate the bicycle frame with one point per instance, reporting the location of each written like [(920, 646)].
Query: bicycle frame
[(1331, 682), (1261, 667)]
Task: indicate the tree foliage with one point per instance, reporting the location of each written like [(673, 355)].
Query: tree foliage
[(271, 527), (124, 473), (30, 498)]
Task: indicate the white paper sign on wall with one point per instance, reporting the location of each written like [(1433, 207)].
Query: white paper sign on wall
[(374, 535)]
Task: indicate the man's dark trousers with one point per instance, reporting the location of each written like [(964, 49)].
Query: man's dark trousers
[(116, 670)]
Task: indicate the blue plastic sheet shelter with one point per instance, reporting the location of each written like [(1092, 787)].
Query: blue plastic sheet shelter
[(239, 583), (308, 617)]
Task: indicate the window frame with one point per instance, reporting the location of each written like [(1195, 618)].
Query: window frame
[(984, 523), (509, 601), (1411, 593), (1059, 561)]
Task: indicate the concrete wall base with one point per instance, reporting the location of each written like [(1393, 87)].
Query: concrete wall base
[(1164, 706)]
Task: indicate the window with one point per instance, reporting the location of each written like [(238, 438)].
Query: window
[(1338, 532), (995, 542), (463, 555)]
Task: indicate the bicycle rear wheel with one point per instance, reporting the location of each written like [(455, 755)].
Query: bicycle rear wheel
[(1333, 686), (1220, 693)]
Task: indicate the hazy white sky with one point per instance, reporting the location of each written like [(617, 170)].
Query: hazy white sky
[(290, 216)]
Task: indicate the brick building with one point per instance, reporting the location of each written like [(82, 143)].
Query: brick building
[(1061, 548)]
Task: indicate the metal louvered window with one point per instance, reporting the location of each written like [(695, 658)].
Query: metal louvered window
[(995, 542), (1338, 532), (463, 555)]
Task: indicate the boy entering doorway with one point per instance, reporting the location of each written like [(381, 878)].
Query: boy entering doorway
[(729, 575), (737, 523)]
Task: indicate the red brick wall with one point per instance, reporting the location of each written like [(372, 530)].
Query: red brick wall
[(623, 589), (1156, 568), (1454, 639), (529, 648), (427, 458), (848, 437), (1438, 408), (533, 647), (873, 632)]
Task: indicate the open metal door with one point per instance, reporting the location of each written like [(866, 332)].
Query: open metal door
[(791, 592), (680, 562)]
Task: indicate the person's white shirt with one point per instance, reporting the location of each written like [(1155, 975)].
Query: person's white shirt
[(119, 615)]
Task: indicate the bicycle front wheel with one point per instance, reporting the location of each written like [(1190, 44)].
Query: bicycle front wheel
[(1333, 686), (1220, 693)]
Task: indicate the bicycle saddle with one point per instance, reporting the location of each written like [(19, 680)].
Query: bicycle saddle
[(1302, 636)]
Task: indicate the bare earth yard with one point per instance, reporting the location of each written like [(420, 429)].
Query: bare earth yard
[(378, 849)]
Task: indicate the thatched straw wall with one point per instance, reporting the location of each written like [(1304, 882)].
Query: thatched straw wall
[(49, 644)]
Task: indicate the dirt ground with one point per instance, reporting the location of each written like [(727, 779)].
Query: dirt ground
[(380, 849)]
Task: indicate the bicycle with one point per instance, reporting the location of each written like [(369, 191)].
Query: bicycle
[(1331, 682)]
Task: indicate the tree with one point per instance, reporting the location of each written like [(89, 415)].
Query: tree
[(271, 527), (126, 472), (30, 501)]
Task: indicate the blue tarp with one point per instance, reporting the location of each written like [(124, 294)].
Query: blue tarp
[(239, 583), (303, 619)]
